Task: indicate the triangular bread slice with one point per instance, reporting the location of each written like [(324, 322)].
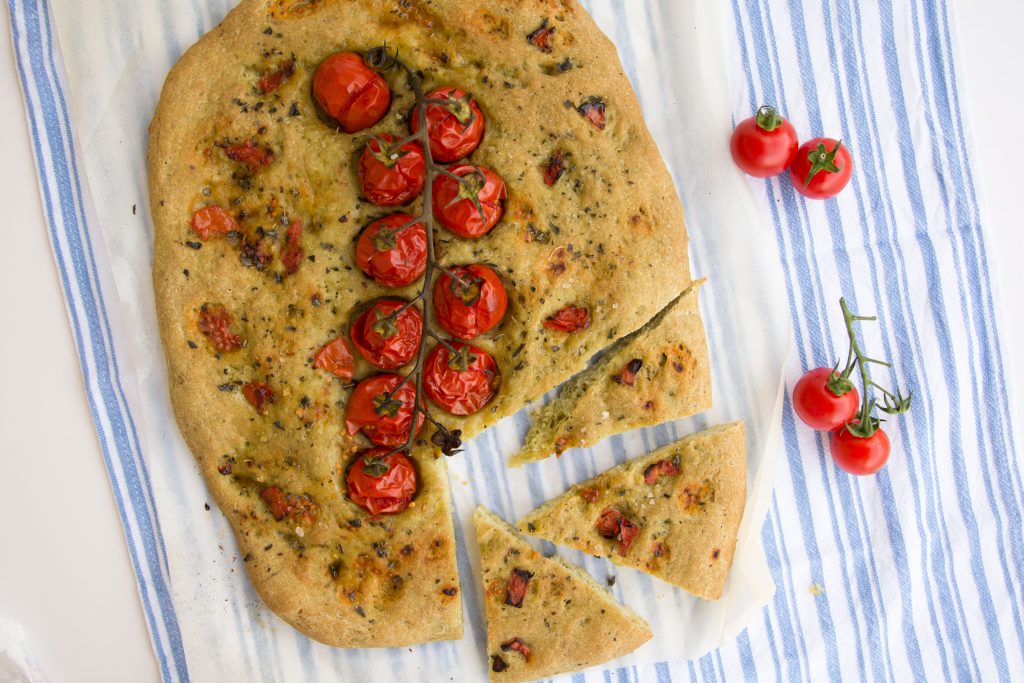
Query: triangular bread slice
[(657, 374), (545, 616), (673, 513)]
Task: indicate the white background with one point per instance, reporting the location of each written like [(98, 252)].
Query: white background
[(64, 569)]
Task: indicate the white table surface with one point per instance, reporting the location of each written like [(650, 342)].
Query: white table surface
[(64, 568)]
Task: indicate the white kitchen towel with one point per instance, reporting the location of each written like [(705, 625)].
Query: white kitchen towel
[(915, 572)]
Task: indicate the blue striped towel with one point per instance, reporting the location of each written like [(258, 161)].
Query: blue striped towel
[(913, 573)]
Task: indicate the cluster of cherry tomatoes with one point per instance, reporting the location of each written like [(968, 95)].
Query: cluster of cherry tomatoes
[(826, 408), (468, 301), (765, 145)]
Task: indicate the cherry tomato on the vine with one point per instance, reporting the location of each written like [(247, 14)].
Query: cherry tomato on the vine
[(469, 207), (386, 338), (818, 405), (472, 304), (350, 92), (462, 382), (384, 419), (454, 127), (381, 484), (336, 358), (391, 176), (764, 145), (859, 454), (822, 168), (393, 250)]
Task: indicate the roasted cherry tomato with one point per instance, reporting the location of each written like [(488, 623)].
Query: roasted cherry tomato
[(391, 176), (821, 169), (379, 483), (272, 80), (212, 221), (462, 382), (386, 338), (859, 454), (336, 358), (455, 124), (472, 304), (350, 92), (252, 156), (258, 394), (469, 207), (568, 319), (817, 403), (384, 419), (217, 324), (292, 252), (765, 144), (393, 250)]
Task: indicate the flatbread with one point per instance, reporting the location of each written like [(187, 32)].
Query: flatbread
[(608, 235), (687, 522), (657, 374), (565, 620)]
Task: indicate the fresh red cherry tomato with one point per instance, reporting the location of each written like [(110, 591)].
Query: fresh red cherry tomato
[(462, 382), (859, 454), (393, 250), (472, 304), (454, 127), (381, 484), (391, 176), (764, 145), (212, 221), (350, 92), (385, 338), (336, 358), (472, 206), (818, 404), (822, 168), (384, 419)]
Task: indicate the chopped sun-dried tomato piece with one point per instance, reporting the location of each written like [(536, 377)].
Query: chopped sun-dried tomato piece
[(592, 110), (272, 80), (517, 585), (253, 156), (541, 38), (627, 375), (569, 319), (662, 468), (613, 525), (291, 252), (215, 323), (258, 394), (336, 358), (282, 506), (212, 221), (591, 494), (518, 645), (554, 169)]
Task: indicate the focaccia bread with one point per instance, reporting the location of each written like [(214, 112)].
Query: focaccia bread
[(545, 616), (243, 315), (673, 513), (657, 374)]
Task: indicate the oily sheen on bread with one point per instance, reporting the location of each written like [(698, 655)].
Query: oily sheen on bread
[(684, 503), (608, 235), (545, 616), (657, 374)]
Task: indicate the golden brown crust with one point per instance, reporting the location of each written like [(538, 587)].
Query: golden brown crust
[(688, 521), (658, 374), (613, 219), (567, 620)]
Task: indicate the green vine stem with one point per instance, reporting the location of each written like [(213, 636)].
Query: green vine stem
[(839, 383)]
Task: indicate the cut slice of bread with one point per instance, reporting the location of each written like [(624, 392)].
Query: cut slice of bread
[(673, 513), (657, 374), (545, 616)]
